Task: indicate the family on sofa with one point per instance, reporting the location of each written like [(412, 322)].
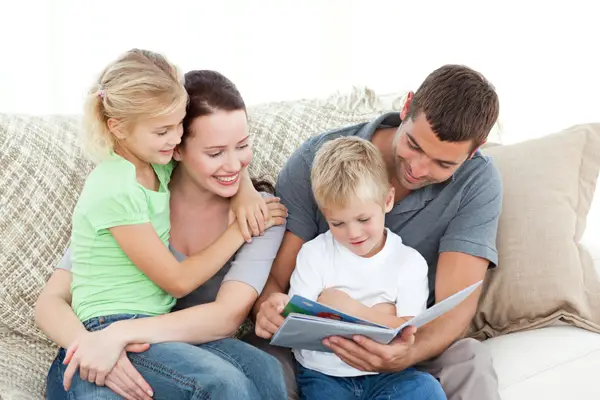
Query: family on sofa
[(173, 245)]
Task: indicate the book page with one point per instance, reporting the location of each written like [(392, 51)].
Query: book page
[(440, 308)]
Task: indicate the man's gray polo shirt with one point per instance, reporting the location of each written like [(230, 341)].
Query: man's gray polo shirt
[(459, 215)]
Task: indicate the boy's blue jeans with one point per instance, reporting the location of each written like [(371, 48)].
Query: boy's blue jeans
[(223, 369), (410, 384)]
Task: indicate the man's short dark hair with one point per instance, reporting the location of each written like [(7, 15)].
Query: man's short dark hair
[(459, 104)]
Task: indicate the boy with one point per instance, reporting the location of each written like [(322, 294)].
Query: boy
[(359, 267)]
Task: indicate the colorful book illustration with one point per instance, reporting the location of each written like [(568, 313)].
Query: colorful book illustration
[(307, 322), (304, 306)]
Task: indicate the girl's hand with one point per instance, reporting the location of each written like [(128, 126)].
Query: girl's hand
[(95, 354), (250, 210), (277, 212)]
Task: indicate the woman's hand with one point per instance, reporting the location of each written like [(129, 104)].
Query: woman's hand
[(125, 380), (95, 354)]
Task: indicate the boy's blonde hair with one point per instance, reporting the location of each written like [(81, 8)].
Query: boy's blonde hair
[(348, 169), (139, 85)]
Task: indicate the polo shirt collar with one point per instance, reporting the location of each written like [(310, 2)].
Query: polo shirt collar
[(387, 120), (418, 199)]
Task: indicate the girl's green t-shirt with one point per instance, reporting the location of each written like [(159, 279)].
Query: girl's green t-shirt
[(105, 280)]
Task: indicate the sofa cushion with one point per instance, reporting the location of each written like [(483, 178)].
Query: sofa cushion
[(24, 362), (278, 128), (552, 363), (42, 170), (543, 274)]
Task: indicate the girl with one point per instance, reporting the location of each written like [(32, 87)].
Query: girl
[(124, 279)]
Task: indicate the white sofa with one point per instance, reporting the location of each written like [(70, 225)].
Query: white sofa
[(553, 363)]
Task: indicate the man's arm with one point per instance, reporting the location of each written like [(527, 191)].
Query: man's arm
[(467, 249), (455, 272)]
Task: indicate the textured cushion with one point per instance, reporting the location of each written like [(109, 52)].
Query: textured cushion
[(24, 362), (544, 274), (279, 128), (42, 171)]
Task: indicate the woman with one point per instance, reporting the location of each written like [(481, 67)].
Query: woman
[(212, 160)]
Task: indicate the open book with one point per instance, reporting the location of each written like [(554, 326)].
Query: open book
[(307, 322)]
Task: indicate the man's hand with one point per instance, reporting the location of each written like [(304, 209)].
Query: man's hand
[(367, 355), (269, 317), (125, 380)]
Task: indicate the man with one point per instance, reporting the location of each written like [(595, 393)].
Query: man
[(447, 204)]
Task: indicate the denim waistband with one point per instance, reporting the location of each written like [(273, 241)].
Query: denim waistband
[(98, 323)]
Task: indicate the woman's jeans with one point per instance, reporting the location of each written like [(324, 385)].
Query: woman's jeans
[(223, 369)]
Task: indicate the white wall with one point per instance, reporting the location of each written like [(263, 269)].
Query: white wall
[(541, 58)]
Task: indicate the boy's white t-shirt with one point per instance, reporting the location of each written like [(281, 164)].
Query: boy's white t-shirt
[(397, 274)]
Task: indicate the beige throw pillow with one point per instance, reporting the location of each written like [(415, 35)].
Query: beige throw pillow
[(544, 275)]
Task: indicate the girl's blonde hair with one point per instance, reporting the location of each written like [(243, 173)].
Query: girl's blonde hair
[(139, 85)]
